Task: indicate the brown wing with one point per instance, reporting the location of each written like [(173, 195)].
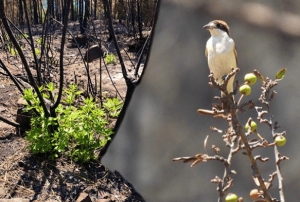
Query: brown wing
[(206, 53), (235, 53)]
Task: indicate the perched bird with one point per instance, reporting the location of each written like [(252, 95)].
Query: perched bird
[(220, 52)]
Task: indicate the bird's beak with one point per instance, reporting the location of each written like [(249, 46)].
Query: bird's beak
[(208, 26)]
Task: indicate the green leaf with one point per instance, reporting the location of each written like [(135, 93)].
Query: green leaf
[(280, 74), (110, 58), (45, 95), (39, 40), (37, 51), (78, 130), (50, 87), (41, 88), (113, 106)]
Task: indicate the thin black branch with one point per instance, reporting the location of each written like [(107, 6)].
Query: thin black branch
[(9, 122), (112, 33), (142, 54), (61, 56), (3, 66), (38, 71), (114, 85), (23, 59)]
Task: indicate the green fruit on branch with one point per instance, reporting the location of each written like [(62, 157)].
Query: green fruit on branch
[(253, 126), (250, 78), (245, 89), (280, 141), (231, 198)]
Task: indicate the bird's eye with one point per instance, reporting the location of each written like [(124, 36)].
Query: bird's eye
[(218, 25)]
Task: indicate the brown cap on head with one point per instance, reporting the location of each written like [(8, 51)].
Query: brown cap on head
[(217, 24)]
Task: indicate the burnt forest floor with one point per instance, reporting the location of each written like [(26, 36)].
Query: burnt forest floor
[(28, 177)]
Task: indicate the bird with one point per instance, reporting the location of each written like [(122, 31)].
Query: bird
[(221, 53)]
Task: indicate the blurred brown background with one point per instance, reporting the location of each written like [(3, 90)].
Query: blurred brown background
[(162, 123)]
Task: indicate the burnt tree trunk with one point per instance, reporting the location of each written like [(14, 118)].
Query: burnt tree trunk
[(21, 14), (86, 16), (35, 12)]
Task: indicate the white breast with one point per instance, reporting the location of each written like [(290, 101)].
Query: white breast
[(221, 57)]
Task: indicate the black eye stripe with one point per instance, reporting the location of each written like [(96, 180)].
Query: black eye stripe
[(222, 27)]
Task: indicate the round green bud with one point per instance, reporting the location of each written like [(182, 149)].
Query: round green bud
[(280, 141), (231, 198), (253, 126), (245, 89), (250, 78)]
